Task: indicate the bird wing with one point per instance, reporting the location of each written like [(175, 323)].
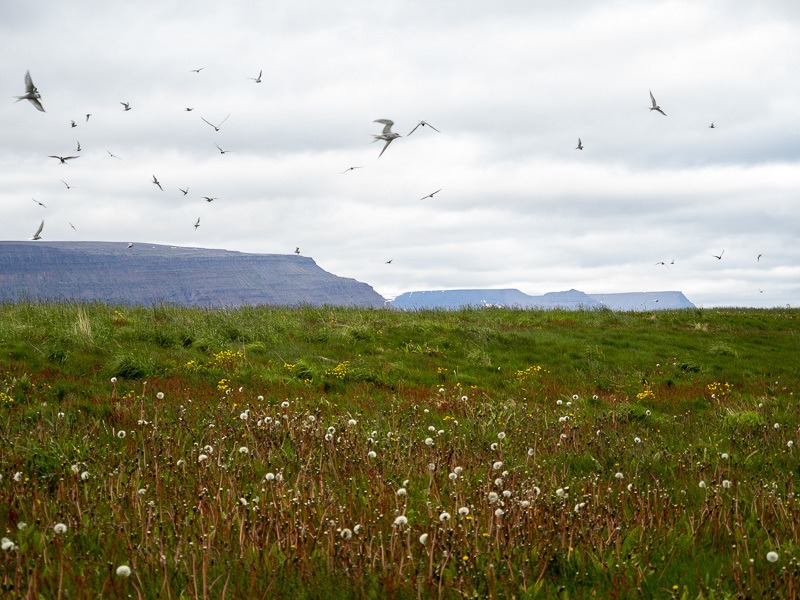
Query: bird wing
[(387, 125), (653, 100), (38, 231), (415, 128), (209, 122), (386, 145), (29, 87), (661, 111), (223, 120), (37, 104), (431, 126)]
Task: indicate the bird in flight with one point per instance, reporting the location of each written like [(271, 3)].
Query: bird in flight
[(130, 245), (712, 126), (655, 105), (431, 195), (126, 105), (78, 149), (185, 191), (69, 187), (297, 250), (661, 262), (350, 169), (758, 258), (197, 223), (209, 198), (388, 262), (73, 124), (39, 203), (718, 257), (197, 70), (71, 225), (156, 182), (37, 235), (63, 159), (87, 116), (188, 109), (423, 124), (256, 79), (31, 93), (387, 134), (216, 127), (221, 151), (580, 145), (113, 155)]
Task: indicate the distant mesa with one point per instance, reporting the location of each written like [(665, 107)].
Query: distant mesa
[(150, 274), (512, 298)]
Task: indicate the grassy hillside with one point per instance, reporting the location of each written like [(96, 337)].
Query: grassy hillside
[(268, 452)]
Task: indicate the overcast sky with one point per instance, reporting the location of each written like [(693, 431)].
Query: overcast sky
[(511, 85)]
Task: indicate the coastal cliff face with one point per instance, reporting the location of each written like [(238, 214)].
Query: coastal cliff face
[(148, 274)]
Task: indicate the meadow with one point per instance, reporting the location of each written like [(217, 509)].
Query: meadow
[(349, 453)]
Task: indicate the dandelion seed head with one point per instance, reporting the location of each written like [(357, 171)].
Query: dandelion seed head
[(463, 511), (423, 538), (619, 475), (113, 380), (400, 521), (85, 475), (498, 482), (160, 395), (724, 456), (525, 504), (431, 466), (372, 454), (493, 446), (22, 525), (121, 434), (702, 485), (559, 402), (777, 425), (444, 517), (123, 571), (142, 491), (244, 450), (464, 398), (458, 470), (358, 529), (506, 493), (637, 440), (772, 556), (452, 476), (402, 491), (346, 534), (202, 457), (352, 422), (429, 441), (269, 477), (17, 476), (493, 497), (497, 465), (60, 528), (285, 404), (499, 513), (501, 436), (790, 443), (726, 483)]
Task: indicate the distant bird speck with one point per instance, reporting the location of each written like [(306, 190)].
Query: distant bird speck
[(758, 258), (156, 182), (71, 225), (297, 250), (73, 124), (110, 155), (388, 262), (431, 195), (216, 127), (221, 151), (580, 145), (63, 159), (712, 126), (188, 109), (256, 79), (661, 262), (87, 116), (719, 256), (209, 198), (78, 149), (37, 235), (423, 124), (197, 223), (350, 169), (39, 203), (126, 105), (197, 70), (185, 191), (655, 105), (31, 93), (387, 134), (69, 187)]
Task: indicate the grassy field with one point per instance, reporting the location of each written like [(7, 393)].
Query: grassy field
[(337, 453)]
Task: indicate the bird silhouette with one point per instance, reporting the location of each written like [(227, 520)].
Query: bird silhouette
[(350, 169), (197, 70), (126, 105), (110, 155), (431, 195), (388, 262), (87, 116), (73, 124), (662, 263), (423, 124), (580, 145), (39, 203), (188, 109), (209, 198), (758, 258), (31, 93), (37, 235), (69, 187), (63, 159), (156, 182), (256, 79), (216, 127), (71, 225), (130, 245), (297, 250), (78, 149), (387, 134), (197, 223), (221, 151), (718, 257), (655, 105), (712, 126), (185, 191)]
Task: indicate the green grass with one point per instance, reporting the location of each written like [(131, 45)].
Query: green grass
[(611, 423)]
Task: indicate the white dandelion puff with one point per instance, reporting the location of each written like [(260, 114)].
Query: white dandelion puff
[(123, 571), (772, 556), (60, 528)]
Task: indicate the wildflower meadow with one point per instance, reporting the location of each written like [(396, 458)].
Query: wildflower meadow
[(348, 453)]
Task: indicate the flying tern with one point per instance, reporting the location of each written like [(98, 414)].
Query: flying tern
[(216, 127), (256, 79), (197, 223), (423, 124), (69, 187), (31, 93), (580, 145), (297, 250), (209, 198), (719, 256), (197, 70), (156, 182), (387, 134), (185, 191), (655, 105), (37, 235), (431, 195), (712, 126), (350, 169), (63, 159), (126, 105), (78, 149), (39, 203), (221, 151), (73, 124)]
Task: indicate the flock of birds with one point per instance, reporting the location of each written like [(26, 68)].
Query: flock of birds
[(386, 135)]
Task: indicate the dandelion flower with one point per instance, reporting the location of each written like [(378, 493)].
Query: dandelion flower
[(6, 545), (60, 528), (444, 517), (497, 465), (202, 457), (123, 571), (85, 475), (702, 485), (429, 441), (493, 497), (346, 534), (400, 521), (463, 511), (501, 436), (401, 491), (160, 395), (499, 513), (372, 454), (772, 556), (619, 475), (726, 483), (423, 538), (244, 450), (452, 476), (121, 434)]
